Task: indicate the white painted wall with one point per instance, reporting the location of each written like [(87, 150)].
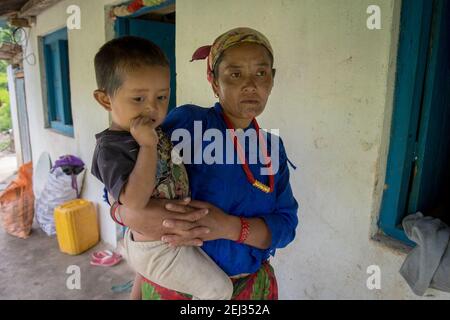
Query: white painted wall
[(332, 102), (88, 117)]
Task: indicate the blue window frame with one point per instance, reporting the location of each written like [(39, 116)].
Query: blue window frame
[(56, 58), (411, 176)]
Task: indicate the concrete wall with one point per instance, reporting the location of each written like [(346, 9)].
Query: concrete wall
[(332, 102), (88, 117)]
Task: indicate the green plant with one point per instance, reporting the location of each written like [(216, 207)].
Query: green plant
[(5, 112), (5, 118), (6, 34)]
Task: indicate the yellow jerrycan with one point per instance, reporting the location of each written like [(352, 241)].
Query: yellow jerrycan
[(76, 226)]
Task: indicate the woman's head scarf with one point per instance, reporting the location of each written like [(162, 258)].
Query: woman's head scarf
[(228, 39)]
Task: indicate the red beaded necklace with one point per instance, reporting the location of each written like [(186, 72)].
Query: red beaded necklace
[(237, 146)]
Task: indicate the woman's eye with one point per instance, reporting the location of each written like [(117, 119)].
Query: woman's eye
[(162, 98), (139, 99), (261, 73), (235, 75)]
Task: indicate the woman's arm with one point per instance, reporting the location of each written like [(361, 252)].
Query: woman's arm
[(259, 236), (221, 226), (271, 231), (149, 221)]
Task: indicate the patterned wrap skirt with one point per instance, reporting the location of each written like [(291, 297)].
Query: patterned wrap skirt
[(261, 285)]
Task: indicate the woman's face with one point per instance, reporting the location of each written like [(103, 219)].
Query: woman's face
[(244, 82)]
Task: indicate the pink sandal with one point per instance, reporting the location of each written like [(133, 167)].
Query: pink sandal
[(101, 254), (105, 258)]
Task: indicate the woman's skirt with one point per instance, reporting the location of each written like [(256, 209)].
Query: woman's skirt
[(261, 285)]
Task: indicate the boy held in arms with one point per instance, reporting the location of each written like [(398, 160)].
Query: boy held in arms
[(133, 159)]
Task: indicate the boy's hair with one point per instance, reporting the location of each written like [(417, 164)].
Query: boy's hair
[(122, 55)]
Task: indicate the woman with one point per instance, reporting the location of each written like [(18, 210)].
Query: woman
[(239, 215)]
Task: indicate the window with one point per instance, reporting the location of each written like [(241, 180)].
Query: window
[(56, 59), (418, 169)]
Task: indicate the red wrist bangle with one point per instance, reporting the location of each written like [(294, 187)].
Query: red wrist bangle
[(113, 211), (245, 230)]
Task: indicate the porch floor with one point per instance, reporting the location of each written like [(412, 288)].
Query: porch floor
[(34, 268)]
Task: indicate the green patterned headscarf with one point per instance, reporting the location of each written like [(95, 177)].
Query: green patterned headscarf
[(227, 40)]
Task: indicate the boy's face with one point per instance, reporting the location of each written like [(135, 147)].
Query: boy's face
[(144, 92)]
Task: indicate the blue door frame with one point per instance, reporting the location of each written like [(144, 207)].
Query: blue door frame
[(162, 34), (421, 20)]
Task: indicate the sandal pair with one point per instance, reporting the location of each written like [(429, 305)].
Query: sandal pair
[(105, 258)]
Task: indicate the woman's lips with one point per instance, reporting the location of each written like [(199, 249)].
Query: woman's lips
[(250, 101)]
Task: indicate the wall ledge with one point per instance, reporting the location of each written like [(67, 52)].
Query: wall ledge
[(395, 246)]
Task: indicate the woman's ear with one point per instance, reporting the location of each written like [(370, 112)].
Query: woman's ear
[(103, 99)]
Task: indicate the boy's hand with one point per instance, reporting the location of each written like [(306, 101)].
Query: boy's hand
[(143, 131)]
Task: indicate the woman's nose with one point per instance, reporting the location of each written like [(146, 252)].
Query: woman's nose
[(249, 84)]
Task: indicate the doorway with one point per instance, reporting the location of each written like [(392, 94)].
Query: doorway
[(429, 189), (418, 170), (156, 24)]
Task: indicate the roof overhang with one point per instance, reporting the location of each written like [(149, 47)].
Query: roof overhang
[(20, 13)]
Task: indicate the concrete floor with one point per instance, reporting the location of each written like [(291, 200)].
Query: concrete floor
[(34, 268)]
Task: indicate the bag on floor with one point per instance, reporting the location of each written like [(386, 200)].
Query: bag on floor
[(17, 203), (62, 186)]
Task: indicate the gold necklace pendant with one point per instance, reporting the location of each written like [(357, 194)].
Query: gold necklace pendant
[(261, 186)]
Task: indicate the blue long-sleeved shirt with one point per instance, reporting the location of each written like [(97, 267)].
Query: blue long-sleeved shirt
[(226, 186)]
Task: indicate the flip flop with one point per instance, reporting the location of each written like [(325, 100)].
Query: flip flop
[(106, 260), (101, 254), (126, 287)]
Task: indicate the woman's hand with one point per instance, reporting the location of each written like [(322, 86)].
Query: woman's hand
[(149, 221), (219, 224), (190, 222)]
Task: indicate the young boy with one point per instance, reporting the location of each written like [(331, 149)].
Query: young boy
[(133, 159)]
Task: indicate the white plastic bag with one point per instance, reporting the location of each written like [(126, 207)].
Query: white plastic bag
[(57, 191)]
